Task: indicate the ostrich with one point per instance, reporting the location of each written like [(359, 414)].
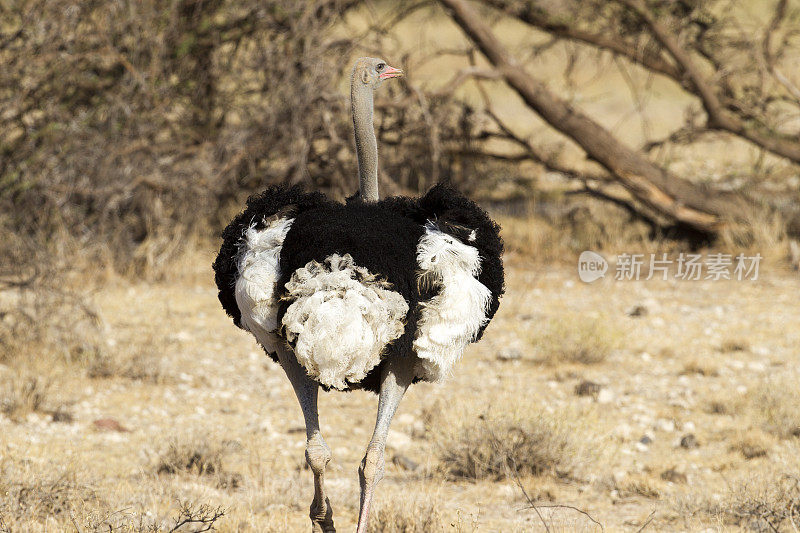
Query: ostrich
[(370, 294)]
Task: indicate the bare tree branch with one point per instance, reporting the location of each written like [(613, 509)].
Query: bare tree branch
[(718, 116), (674, 197), (527, 12)]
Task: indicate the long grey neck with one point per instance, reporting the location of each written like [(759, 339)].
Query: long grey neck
[(366, 144)]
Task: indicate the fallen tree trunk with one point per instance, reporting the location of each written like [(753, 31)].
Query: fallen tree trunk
[(675, 198)]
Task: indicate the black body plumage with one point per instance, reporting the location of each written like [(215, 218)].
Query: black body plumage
[(381, 236)]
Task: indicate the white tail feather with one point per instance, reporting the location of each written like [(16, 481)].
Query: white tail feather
[(340, 320)]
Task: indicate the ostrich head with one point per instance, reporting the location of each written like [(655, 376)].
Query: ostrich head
[(368, 73), (371, 71)]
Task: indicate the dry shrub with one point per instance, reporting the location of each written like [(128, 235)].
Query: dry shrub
[(506, 445), (576, 339), (138, 367), (751, 444), (23, 394), (45, 315), (199, 457), (556, 229), (140, 359), (700, 367), (639, 485), (36, 494), (771, 507), (148, 123), (769, 501), (734, 345), (775, 405), (407, 516)]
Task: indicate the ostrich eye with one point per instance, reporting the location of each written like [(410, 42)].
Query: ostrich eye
[(380, 67)]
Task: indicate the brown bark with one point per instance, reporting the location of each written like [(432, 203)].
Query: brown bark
[(669, 195)]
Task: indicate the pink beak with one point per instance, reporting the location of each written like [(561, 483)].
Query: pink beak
[(390, 72)]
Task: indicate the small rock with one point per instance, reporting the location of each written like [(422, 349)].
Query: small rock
[(665, 425), (605, 396), (673, 476), (109, 424), (588, 388), (637, 311), (403, 462), (511, 354), (689, 441), (646, 439), (59, 415)]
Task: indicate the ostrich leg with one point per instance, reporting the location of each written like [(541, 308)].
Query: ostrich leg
[(397, 376), (317, 452)]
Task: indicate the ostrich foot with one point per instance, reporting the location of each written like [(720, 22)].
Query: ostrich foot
[(322, 518)]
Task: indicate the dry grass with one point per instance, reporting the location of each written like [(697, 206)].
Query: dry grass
[(415, 515), (198, 456), (557, 229), (700, 367), (24, 394), (504, 445), (140, 363), (39, 497), (751, 444), (640, 485), (775, 406), (576, 339), (734, 345), (767, 501)]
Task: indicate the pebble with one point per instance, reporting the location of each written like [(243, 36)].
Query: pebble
[(689, 441), (637, 311), (109, 424), (511, 354), (588, 388), (605, 396), (665, 425)]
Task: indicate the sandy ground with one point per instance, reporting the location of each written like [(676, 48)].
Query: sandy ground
[(688, 365)]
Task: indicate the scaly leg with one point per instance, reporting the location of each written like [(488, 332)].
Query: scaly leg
[(317, 452), (397, 376)]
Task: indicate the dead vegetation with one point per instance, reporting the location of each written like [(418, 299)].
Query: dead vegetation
[(775, 406), (139, 361), (768, 501), (584, 340), (24, 394), (416, 515), (498, 446), (198, 456)]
